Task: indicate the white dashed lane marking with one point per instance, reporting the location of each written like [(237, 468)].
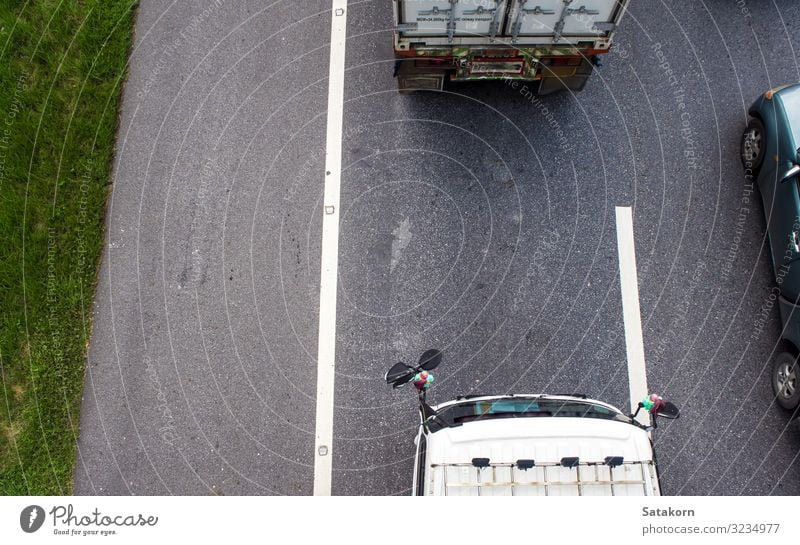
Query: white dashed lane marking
[(631, 314), (326, 352)]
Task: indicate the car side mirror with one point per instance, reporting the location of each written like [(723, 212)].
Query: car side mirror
[(669, 410), (791, 173), (657, 406), (430, 359), (402, 373), (399, 374)]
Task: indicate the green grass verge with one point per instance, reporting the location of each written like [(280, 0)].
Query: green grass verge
[(62, 64)]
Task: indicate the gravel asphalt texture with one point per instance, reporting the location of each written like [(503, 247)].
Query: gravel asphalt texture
[(466, 224)]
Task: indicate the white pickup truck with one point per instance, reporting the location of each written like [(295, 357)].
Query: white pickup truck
[(553, 41), (529, 445)]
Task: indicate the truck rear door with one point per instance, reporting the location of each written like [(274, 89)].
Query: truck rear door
[(559, 18), (442, 18)]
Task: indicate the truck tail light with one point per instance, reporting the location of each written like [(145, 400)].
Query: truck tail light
[(433, 61)]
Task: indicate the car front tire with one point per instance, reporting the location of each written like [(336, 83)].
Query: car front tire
[(785, 372), (751, 150)]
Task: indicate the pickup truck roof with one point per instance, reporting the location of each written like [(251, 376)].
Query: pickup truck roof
[(533, 455)]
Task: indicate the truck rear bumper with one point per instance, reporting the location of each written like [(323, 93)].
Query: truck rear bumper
[(557, 72)]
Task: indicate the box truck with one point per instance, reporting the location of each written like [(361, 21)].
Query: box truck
[(554, 42)]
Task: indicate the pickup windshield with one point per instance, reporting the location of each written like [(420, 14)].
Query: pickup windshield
[(519, 407)]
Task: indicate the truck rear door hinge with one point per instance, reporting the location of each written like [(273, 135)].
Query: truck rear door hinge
[(538, 11), (451, 24), (494, 26), (582, 11), (559, 26), (435, 11), (493, 29), (517, 26), (480, 10), (566, 12)]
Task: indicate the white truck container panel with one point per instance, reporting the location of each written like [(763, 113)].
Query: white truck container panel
[(548, 17), (468, 17), (523, 22)]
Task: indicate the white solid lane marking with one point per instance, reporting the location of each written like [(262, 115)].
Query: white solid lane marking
[(326, 352), (632, 316)]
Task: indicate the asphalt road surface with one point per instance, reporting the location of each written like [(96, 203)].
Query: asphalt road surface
[(476, 220)]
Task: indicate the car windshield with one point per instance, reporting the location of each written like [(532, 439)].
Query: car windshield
[(791, 106), (517, 407)]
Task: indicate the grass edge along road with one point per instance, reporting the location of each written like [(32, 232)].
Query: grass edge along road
[(62, 65)]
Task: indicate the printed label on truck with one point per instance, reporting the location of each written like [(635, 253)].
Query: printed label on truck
[(467, 17)]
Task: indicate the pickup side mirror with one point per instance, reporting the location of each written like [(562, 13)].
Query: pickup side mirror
[(399, 374), (430, 359), (658, 406), (791, 173), (402, 373), (669, 410)]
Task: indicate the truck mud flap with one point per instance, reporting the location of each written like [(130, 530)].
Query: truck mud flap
[(552, 82), (572, 83)]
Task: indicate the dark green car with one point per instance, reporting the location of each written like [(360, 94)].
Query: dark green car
[(770, 155)]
